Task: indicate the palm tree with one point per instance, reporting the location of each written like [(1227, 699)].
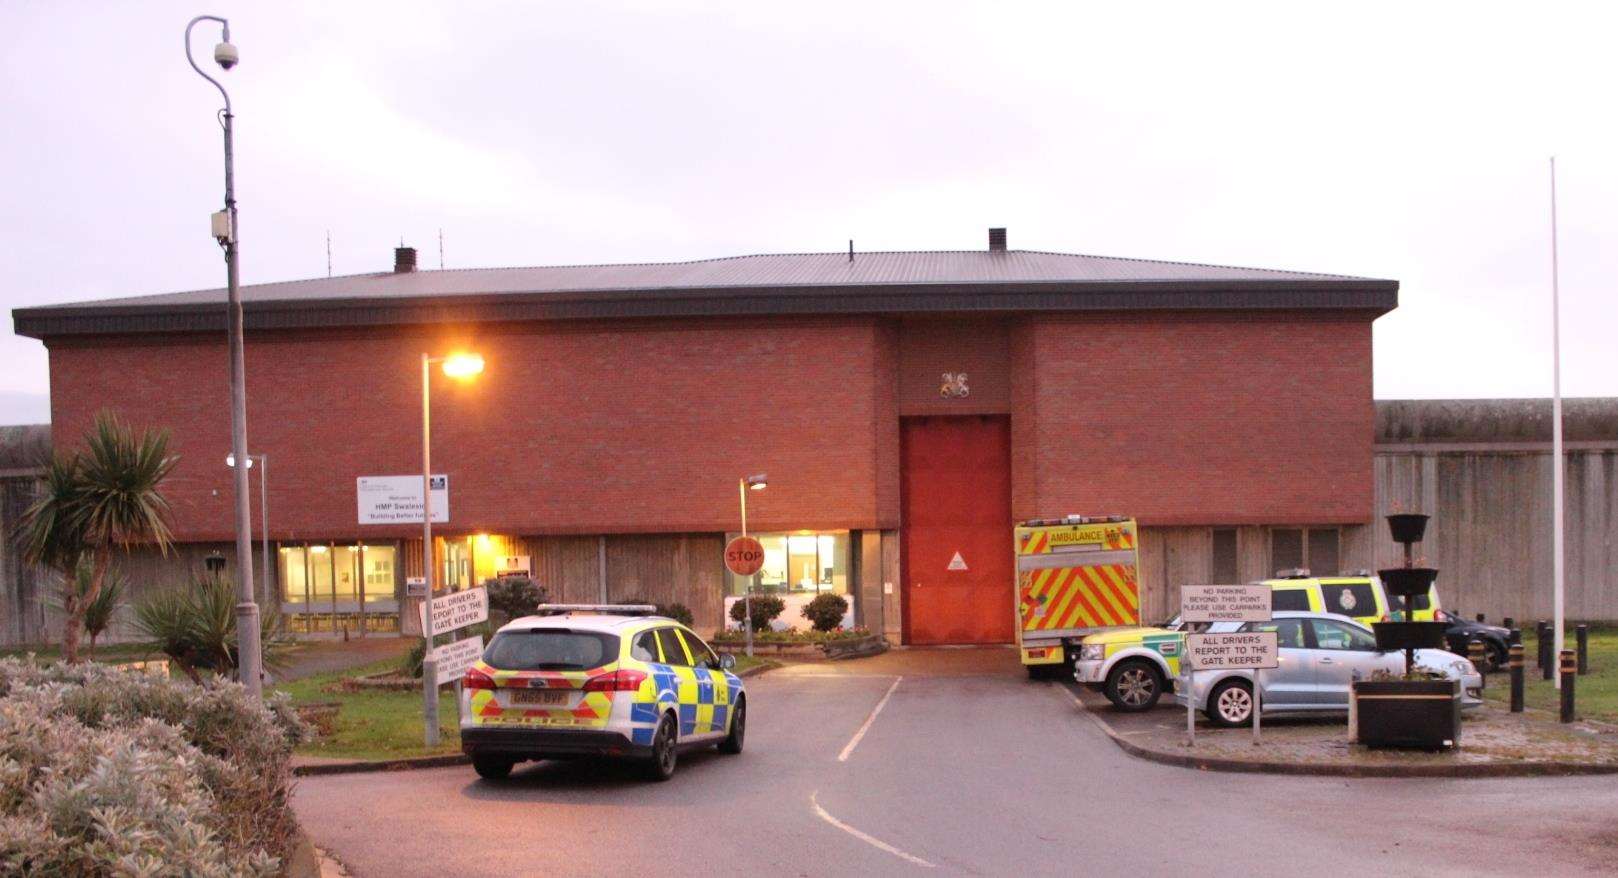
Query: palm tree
[(104, 498)]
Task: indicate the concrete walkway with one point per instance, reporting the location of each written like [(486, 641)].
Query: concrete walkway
[(314, 657)]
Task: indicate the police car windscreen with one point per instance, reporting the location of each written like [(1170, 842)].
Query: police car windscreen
[(556, 649)]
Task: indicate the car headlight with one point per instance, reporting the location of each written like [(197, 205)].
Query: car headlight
[(1462, 668), (1092, 652)]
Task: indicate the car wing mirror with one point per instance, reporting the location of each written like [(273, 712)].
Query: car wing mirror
[(726, 661)]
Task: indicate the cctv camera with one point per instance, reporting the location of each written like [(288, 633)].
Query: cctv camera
[(225, 55)]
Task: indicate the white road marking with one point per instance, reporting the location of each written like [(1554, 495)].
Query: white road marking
[(877, 843), (855, 741)]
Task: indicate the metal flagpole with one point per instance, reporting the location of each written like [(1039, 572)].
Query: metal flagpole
[(1556, 434), (747, 588)]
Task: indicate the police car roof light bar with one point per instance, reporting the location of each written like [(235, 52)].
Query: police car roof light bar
[(604, 609)]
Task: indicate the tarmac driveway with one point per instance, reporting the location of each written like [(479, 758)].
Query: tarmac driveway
[(946, 761)]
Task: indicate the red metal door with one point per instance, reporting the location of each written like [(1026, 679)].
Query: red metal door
[(955, 542)]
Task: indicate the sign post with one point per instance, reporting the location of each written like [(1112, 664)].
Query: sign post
[(1247, 650), (744, 556)]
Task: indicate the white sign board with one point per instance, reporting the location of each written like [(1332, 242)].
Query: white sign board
[(455, 658), (415, 586), (514, 565), (457, 609), (1224, 603), (397, 499), (1249, 650)]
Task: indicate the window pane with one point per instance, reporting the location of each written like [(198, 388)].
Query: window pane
[(797, 563), (292, 573), (345, 562), (320, 573), (1350, 599), (1224, 555), (1336, 635), (1288, 632), (1286, 550), (645, 647), (551, 650), (379, 562), (1289, 599), (1323, 552), (701, 655), (673, 654)]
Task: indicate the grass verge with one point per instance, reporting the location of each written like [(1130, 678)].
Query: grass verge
[(372, 724), (1595, 693)]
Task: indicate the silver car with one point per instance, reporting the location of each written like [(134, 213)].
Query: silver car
[(1321, 655)]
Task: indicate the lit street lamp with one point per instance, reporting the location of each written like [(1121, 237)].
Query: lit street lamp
[(224, 231), (463, 367), (750, 483), (263, 510)]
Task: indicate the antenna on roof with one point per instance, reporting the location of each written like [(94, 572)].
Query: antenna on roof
[(328, 252), (850, 249), (440, 249)]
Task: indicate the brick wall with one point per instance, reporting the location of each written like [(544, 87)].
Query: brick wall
[(581, 429), (1197, 419)]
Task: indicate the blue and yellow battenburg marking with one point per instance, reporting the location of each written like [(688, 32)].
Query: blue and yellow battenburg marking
[(701, 697)]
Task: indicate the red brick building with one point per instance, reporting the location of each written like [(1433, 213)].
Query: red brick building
[(905, 406)]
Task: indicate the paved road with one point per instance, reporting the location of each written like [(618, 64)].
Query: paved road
[(971, 771)]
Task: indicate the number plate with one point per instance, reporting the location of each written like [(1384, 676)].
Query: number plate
[(538, 696)]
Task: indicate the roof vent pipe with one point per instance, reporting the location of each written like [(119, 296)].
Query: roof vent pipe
[(404, 259), (997, 240)]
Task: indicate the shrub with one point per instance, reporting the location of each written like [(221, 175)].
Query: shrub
[(765, 609), (195, 626), (826, 611), (512, 597), (106, 772), (678, 612)]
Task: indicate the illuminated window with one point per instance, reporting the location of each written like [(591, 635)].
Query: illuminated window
[(801, 562)]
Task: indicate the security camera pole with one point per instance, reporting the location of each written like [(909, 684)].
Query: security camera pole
[(250, 658)]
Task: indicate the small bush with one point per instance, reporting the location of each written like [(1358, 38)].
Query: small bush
[(195, 626), (765, 609), (104, 772), (826, 611), (678, 612), (513, 597)]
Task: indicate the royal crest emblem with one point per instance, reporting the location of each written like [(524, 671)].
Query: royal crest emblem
[(954, 386)]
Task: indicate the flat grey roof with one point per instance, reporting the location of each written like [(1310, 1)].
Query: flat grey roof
[(795, 283)]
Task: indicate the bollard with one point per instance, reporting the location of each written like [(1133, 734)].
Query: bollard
[(1482, 618), (1515, 663), (1508, 622), (1570, 671), (1476, 653), (1582, 634), (1515, 635), (1546, 657)]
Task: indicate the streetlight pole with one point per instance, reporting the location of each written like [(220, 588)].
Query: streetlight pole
[(756, 483), (263, 513), (463, 366), (248, 648)]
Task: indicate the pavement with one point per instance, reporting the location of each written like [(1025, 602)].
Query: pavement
[(1494, 741), (948, 762), (314, 657)]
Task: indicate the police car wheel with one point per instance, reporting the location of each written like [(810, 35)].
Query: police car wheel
[(1231, 704), (738, 730), (492, 767), (661, 765), (1134, 686)]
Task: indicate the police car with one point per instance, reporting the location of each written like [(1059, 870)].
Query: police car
[(598, 680)]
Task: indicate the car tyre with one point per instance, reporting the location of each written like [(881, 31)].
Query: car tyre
[(1230, 704), (738, 730), (660, 766), (1498, 657), (1134, 685), (493, 767)]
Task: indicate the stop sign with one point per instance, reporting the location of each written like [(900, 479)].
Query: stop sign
[(744, 556)]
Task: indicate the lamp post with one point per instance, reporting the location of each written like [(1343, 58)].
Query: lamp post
[(248, 647), (463, 367), (750, 483), (263, 510)]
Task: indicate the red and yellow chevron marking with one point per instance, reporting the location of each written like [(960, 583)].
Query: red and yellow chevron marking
[(592, 711), (1079, 597)]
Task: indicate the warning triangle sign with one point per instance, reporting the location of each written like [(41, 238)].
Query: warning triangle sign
[(957, 562)]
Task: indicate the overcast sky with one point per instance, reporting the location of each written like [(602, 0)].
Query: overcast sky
[(1405, 141)]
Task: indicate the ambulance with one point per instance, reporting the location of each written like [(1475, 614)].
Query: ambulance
[(1075, 576)]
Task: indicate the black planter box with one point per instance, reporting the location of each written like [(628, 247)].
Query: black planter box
[(1418, 714), (1410, 635), (1407, 527), (1407, 581)]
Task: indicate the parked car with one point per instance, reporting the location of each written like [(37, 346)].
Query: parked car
[(598, 680), (1461, 632), (1321, 655), (1133, 667)]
